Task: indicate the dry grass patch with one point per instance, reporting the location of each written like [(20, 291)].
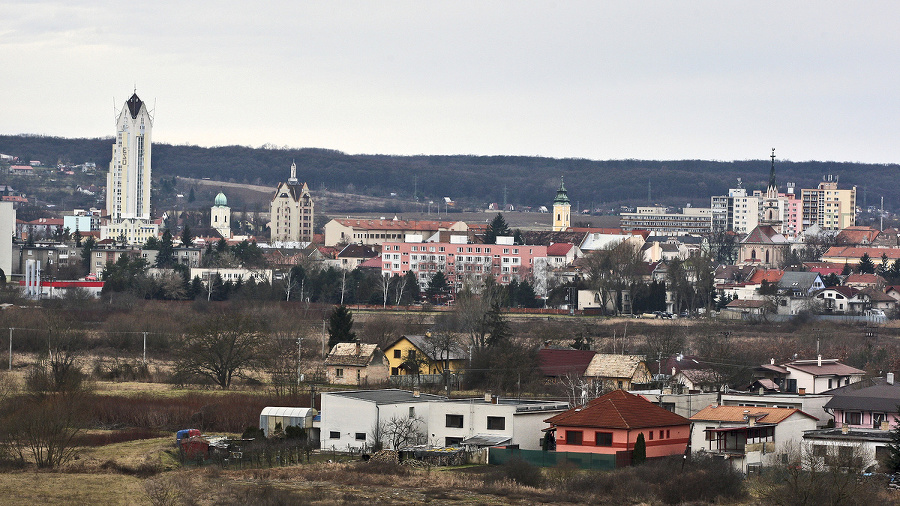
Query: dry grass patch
[(29, 488), (140, 456)]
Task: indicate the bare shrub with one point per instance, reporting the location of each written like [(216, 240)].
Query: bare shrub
[(519, 471)]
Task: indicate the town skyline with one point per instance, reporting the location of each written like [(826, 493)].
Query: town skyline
[(589, 81)]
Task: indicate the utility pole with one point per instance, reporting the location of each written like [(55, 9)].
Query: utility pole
[(145, 348), (10, 347), (299, 355)]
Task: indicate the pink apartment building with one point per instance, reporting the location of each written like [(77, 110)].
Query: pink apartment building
[(462, 263)]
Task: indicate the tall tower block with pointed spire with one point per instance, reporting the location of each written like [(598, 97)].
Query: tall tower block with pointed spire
[(292, 210), (128, 181), (561, 208)]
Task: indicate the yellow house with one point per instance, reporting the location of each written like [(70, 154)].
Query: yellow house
[(428, 352)]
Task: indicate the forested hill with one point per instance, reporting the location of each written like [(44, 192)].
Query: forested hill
[(476, 179)]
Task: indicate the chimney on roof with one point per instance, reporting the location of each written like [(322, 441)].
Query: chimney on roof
[(487, 397), (416, 393), (819, 361), (772, 361), (845, 428), (358, 347), (889, 377)]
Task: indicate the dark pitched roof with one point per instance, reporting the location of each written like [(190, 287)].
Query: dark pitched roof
[(545, 237), (868, 395), (560, 362), (134, 105), (423, 344), (618, 410)]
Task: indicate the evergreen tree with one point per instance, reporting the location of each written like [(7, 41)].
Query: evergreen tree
[(832, 280), (87, 250), (497, 327), (411, 290), (165, 257), (639, 454), (191, 196), (866, 265), (885, 267), (498, 227), (846, 271), (340, 326), (437, 286), (77, 238), (186, 237)]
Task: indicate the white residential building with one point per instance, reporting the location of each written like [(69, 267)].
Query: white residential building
[(490, 421), (348, 419), (128, 181)]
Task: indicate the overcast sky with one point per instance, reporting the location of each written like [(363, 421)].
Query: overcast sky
[(594, 79)]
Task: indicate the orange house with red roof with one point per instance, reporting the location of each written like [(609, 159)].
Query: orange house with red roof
[(610, 425)]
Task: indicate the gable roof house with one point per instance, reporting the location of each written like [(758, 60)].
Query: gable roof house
[(864, 414), (747, 436), (431, 353), (618, 371), (803, 376), (356, 364), (840, 300), (698, 380), (611, 424)]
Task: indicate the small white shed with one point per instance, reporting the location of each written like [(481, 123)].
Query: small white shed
[(298, 417)]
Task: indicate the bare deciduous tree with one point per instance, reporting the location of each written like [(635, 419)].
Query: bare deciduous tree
[(221, 347), (399, 432)]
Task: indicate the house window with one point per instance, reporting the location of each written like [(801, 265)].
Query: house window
[(455, 421), (603, 438), (334, 434), (650, 438), (395, 371), (496, 423), (573, 437), (830, 386), (360, 436), (853, 418), (452, 441), (339, 373), (412, 411), (667, 434), (877, 418)]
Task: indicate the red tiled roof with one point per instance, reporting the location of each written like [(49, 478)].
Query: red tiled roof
[(559, 249), (871, 279), (856, 235), (559, 362), (769, 275), (618, 410), (853, 254)]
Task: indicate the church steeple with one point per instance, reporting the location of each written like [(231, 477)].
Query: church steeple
[(772, 190), (561, 208), (562, 196)]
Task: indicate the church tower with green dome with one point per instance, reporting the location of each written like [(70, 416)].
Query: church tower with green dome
[(561, 208), (220, 216)]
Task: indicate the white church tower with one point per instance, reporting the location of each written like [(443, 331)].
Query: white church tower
[(220, 216), (128, 181)]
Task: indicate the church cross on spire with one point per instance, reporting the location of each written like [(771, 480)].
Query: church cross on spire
[(772, 184)]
